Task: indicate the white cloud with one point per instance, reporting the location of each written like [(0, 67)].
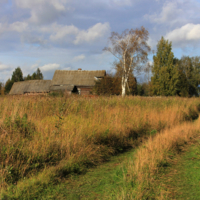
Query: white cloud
[(188, 34), (44, 11), (4, 67), (35, 66), (49, 67), (94, 33), (79, 58), (174, 13), (14, 27), (170, 12), (71, 34), (3, 28), (62, 32), (18, 26), (117, 3), (151, 42), (58, 4), (57, 33), (121, 2), (33, 39), (5, 75)]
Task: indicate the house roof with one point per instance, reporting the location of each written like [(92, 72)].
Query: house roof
[(30, 86), (76, 77)]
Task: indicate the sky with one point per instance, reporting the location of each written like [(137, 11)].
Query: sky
[(71, 34)]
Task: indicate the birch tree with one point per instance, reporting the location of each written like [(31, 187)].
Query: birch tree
[(131, 49)]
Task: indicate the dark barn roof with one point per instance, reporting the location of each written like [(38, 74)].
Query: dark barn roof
[(31, 86), (76, 77)]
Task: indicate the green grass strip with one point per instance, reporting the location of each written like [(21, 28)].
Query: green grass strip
[(182, 179), (188, 177)]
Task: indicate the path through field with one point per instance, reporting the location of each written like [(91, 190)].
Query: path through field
[(98, 183), (183, 177)]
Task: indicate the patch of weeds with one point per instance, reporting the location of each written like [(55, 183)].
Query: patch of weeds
[(12, 174), (163, 163), (20, 125), (28, 192), (54, 153), (56, 94), (153, 132), (185, 116), (161, 126), (76, 168), (59, 122), (193, 114)]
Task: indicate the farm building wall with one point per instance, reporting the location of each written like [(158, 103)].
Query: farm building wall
[(84, 90)]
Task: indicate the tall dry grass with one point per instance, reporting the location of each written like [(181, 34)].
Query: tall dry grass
[(57, 136)]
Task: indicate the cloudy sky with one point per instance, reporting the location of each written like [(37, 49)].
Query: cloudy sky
[(70, 34)]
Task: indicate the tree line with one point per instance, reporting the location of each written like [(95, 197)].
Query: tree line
[(18, 76), (167, 75)]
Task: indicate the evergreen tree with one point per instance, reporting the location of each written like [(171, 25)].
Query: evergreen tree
[(183, 85), (143, 89), (17, 75), (191, 73), (165, 79), (1, 88), (39, 74), (196, 67), (28, 77), (34, 76), (8, 86)]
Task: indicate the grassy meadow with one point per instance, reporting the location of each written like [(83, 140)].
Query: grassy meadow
[(44, 139)]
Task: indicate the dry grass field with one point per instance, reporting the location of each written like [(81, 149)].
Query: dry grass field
[(43, 139)]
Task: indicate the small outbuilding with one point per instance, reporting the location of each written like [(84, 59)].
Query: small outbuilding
[(77, 81), (31, 87)]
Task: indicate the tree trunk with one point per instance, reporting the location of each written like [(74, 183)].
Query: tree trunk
[(123, 87)]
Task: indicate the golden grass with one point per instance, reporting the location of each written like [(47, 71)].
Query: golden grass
[(77, 130)]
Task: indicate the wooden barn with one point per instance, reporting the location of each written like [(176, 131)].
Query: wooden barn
[(77, 81), (31, 87)]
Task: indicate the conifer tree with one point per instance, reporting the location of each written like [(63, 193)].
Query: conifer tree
[(17, 75), (35, 76), (39, 74), (186, 66), (8, 85), (165, 79)]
